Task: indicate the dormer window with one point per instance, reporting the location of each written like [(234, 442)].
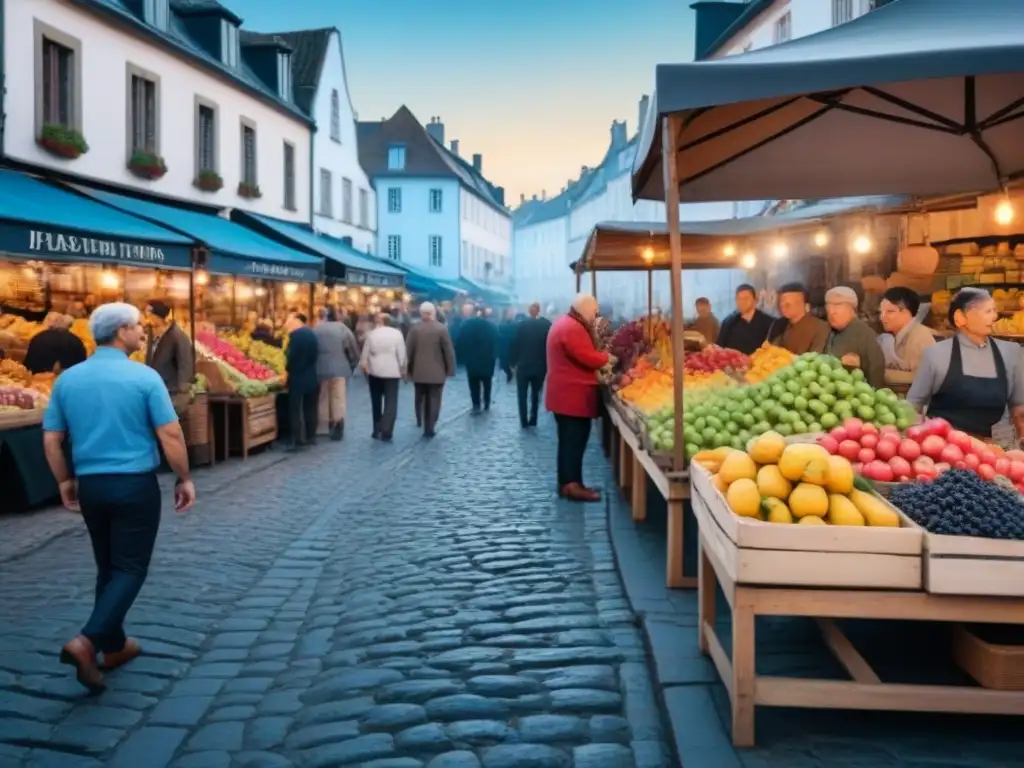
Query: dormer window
[(229, 44), (284, 76), (156, 13)]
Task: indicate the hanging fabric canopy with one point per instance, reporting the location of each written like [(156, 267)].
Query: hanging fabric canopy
[(919, 97)]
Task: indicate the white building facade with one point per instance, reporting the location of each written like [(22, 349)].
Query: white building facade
[(344, 203), (154, 111), (436, 212)]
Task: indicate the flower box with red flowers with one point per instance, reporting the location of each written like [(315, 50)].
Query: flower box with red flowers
[(146, 165), (62, 142), (208, 181), (251, 191)]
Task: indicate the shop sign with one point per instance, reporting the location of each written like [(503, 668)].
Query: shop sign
[(56, 244), (355, 277), (282, 272)]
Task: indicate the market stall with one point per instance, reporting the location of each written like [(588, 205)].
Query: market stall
[(61, 252), (826, 116), (241, 278)]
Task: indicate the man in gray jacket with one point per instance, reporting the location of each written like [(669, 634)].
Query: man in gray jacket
[(169, 353), (338, 354), (431, 360)]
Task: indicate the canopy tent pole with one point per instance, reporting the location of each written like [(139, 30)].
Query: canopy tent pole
[(579, 280), (669, 132), (650, 302), (593, 283)]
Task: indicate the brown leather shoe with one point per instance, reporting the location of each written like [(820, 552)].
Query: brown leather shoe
[(576, 492), (117, 659), (80, 654)]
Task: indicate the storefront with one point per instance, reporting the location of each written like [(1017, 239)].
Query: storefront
[(62, 252)]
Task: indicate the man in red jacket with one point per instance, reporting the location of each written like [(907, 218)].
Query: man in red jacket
[(571, 394)]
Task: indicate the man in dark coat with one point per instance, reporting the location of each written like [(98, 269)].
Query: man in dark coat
[(748, 327), (303, 385), (528, 358), (476, 348), (169, 353), (506, 333), (56, 346)]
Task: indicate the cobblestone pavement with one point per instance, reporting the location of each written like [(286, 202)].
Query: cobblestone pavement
[(388, 606)]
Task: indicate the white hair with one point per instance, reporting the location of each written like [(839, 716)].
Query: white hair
[(107, 319), (582, 300), (427, 308)]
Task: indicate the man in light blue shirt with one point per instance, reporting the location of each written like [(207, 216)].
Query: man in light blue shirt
[(114, 412)]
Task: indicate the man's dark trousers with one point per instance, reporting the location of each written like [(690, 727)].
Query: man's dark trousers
[(428, 406), (533, 385), (478, 384), (122, 514), (303, 412)]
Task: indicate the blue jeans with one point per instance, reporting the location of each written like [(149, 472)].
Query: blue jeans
[(122, 513)]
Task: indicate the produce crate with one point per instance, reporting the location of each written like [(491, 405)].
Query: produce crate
[(1000, 667), (260, 420), (216, 384), (198, 429), (755, 552), (971, 565)]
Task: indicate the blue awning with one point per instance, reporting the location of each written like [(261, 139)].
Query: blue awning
[(343, 261), (486, 292), (40, 221), (234, 249), (426, 285)]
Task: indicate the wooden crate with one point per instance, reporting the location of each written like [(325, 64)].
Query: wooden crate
[(756, 552), (261, 418), (971, 565), (999, 667), (216, 384)]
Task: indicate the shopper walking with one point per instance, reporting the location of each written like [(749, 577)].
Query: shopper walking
[(572, 395), (169, 353), (476, 349), (114, 412), (338, 353), (383, 360), (431, 359), (301, 358), (528, 358)]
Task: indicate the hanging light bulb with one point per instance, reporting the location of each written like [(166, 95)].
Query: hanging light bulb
[(749, 260), (260, 291), (202, 278), (821, 238), (290, 288), (729, 250), (1004, 213), (109, 279), (780, 250), (862, 244), (648, 254)]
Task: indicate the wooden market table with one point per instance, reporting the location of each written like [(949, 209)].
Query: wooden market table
[(632, 465), (871, 579), (246, 422)]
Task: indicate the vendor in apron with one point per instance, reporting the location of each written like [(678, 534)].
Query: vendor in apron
[(971, 379)]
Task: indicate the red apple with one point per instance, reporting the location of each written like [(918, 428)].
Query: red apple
[(917, 433), (909, 449), (900, 466), (932, 446), (829, 443), (987, 472), (849, 449), (1002, 466), (887, 448), (867, 428), (987, 457), (960, 439), (938, 427), (1016, 470), (879, 470), (972, 462), (890, 429), (839, 434), (853, 428), (951, 454), (866, 456), (868, 440)]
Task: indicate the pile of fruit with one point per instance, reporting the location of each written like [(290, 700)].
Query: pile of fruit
[(962, 503), (639, 337), (263, 353), (766, 360), (714, 358), (16, 378), (923, 452), (228, 353), (799, 483)]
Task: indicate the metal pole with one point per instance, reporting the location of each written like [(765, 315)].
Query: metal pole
[(192, 310), (593, 283), (650, 303), (669, 140)]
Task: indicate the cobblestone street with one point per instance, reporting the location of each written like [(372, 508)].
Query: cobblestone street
[(423, 603)]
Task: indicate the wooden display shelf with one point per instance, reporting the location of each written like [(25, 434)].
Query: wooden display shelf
[(748, 690), (255, 425), (632, 465), (756, 552)]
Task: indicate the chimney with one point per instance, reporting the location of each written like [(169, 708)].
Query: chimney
[(645, 102), (583, 171), (714, 17), (499, 195), (478, 161), (436, 130), (455, 147), (535, 198), (618, 134), (522, 198), (543, 194)]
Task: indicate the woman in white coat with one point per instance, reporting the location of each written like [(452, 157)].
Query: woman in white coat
[(383, 362)]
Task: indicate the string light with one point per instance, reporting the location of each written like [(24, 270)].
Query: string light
[(780, 250), (821, 238), (749, 260), (862, 244), (729, 250), (1004, 213)]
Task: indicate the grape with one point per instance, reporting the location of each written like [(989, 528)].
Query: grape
[(960, 503)]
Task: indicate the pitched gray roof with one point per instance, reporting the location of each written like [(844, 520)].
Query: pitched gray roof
[(309, 49)]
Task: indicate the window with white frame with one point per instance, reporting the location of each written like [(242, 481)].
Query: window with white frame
[(394, 199), (436, 256), (284, 76), (364, 209), (842, 12), (784, 28), (436, 200), (326, 203), (229, 44), (335, 116), (346, 200), (395, 247), (249, 155), (396, 157)]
